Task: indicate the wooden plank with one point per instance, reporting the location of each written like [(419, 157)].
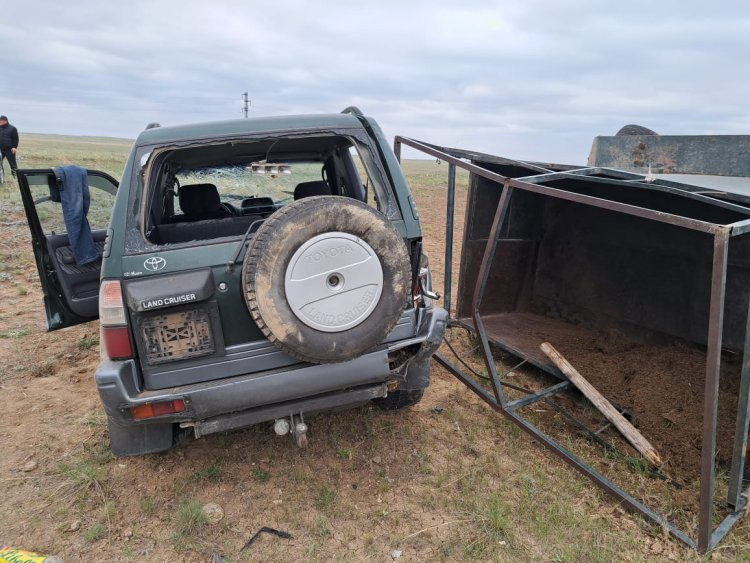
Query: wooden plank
[(605, 407)]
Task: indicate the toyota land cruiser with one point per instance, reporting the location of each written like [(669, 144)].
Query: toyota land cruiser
[(253, 270)]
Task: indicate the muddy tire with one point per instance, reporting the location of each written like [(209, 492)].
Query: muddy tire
[(399, 399), (326, 278)]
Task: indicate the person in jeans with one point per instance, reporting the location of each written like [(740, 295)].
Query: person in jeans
[(8, 143)]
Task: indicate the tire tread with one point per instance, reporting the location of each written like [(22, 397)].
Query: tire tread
[(255, 252)]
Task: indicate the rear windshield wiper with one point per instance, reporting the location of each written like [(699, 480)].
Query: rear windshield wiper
[(230, 265)]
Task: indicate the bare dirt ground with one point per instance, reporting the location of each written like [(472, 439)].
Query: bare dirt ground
[(445, 480), (661, 386)]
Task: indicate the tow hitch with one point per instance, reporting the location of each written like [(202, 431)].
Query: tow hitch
[(295, 426)]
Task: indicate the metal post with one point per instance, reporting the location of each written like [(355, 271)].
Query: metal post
[(449, 238), (397, 149), (711, 399), (246, 104), (489, 249), (481, 283), (743, 422)]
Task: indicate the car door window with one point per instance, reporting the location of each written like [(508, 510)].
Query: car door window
[(51, 215), (372, 199)]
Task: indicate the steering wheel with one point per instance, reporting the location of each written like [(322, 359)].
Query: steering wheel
[(231, 209)]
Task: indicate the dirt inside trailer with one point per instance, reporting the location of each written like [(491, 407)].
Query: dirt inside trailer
[(660, 386)]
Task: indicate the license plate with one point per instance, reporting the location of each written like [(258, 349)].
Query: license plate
[(177, 336)]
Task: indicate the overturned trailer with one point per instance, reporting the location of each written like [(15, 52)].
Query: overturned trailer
[(563, 254)]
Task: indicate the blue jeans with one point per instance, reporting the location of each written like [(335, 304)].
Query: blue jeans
[(75, 199)]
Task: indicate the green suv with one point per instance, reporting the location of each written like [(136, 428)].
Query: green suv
[(253, 270)]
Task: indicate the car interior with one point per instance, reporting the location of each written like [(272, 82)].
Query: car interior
[(220, 190), (78, 283)]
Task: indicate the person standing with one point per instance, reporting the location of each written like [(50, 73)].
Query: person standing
[(8, 143)]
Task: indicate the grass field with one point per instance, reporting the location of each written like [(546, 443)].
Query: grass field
[(446, 480)]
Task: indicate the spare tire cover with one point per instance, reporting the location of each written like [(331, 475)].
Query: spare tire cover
[(326, 278)]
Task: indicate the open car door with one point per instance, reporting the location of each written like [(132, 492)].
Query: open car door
[(71, 291)]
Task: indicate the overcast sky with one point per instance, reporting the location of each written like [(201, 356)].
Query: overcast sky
[(531, 79)]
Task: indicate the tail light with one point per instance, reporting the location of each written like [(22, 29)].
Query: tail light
[(150, 410), (113, 322)]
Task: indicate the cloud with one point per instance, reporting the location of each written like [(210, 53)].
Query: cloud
[(530, 80)]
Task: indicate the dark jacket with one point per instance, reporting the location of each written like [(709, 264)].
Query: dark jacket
[(8, 137)]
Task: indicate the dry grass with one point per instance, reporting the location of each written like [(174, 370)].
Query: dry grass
[(446, 480)]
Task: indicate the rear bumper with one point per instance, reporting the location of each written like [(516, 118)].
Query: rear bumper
[(119, 386)]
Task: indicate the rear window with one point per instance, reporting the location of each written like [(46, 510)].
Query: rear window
[(236, 185), (219, 190)]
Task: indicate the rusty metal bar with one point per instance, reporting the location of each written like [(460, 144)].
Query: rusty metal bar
[(639, 182), (481, 283), (740, 228), (489, 362), (711, 398), (725, 525), (538, 396), (540, 167), (449, 213), (478, 170), (734, 495), (490, 247)]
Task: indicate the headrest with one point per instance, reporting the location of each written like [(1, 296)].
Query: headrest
[(200, 201), (307, 189)]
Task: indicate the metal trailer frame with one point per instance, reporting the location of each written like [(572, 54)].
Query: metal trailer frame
[(708, 536)]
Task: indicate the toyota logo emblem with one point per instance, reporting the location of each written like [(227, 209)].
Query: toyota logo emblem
[(154, 263)]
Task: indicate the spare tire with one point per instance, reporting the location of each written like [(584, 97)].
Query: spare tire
[(326, 278)]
